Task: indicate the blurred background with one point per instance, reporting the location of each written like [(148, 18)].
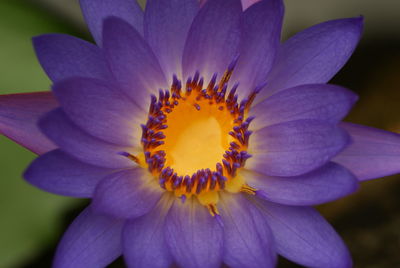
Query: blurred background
[(33, 221)]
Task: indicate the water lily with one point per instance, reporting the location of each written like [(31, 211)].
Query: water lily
[(200, 137)]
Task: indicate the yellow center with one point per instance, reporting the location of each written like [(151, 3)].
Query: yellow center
[(197, 136)]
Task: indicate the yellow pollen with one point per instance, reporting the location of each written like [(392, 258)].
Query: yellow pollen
[(195, 140)]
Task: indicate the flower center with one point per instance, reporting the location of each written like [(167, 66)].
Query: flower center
[(196, 139)]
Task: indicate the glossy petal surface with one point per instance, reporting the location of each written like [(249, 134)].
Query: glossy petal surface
[(64, 56), (248, 241), (126, 194), (213, 40), (314, 55), (143, 239), (75, 142), (193, 236), (95, 12), (325, 184), (59, 173), (261, 32), (166, 26), (303, 236), (132, 61), (373, 153), (91, 241), (19, 115), (329, 103), (99, 108), (294, 148)]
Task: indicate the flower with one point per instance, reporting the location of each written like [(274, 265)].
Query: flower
[(201, 138)]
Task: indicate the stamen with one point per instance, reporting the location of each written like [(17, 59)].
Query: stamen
[(216, 100)]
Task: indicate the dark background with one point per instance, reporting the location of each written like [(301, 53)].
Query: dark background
[(33, 221)]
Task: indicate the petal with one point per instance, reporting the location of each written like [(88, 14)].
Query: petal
[(261, 31), (294, 148), (100, 109), (245, 3), (314, 55), (95, 12), (248, 241), (64, 56), (132, 61), (59, 173), (91, 241), (166, 26), (75, 142), (325, 184), (213, 39), (248, 3), (329, 103), (143, 239), (194, 237), (303, 236), (19, 114), (374, 152), (127, 194)]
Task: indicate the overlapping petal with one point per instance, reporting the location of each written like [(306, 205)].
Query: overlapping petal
[(127, 194), (95, 12), (63, 56), (325, 184), (261, 32), (19, 115), (75, 142), (248, 241), (193, 236), (303, 236), (59, 173), (294, 148), (132, 61), (329, 103), (314, 55), (143, 238), (213, 39), (373, 153), (101, 109), (91, 241), (166, 24)]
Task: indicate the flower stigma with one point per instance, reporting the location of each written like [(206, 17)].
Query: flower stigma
[(196, 139)]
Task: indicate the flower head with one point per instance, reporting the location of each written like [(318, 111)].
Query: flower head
[(201, 139)]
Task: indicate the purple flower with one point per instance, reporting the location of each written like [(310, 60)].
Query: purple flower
[(200, 137)]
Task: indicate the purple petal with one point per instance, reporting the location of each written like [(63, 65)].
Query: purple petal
[(127, 194), (132, 61), (75, 142), (318, 101), (19, 114), (194, 237), (100, 109), (166, 26), (303, 236), (91, 241), (63, 56), (245, 3), (213, 39), (294, 148), (261, 27), (374, 152), (248, 242), (143, 239), (95, 12), (314, 55), (59, 173), (325, 184)]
